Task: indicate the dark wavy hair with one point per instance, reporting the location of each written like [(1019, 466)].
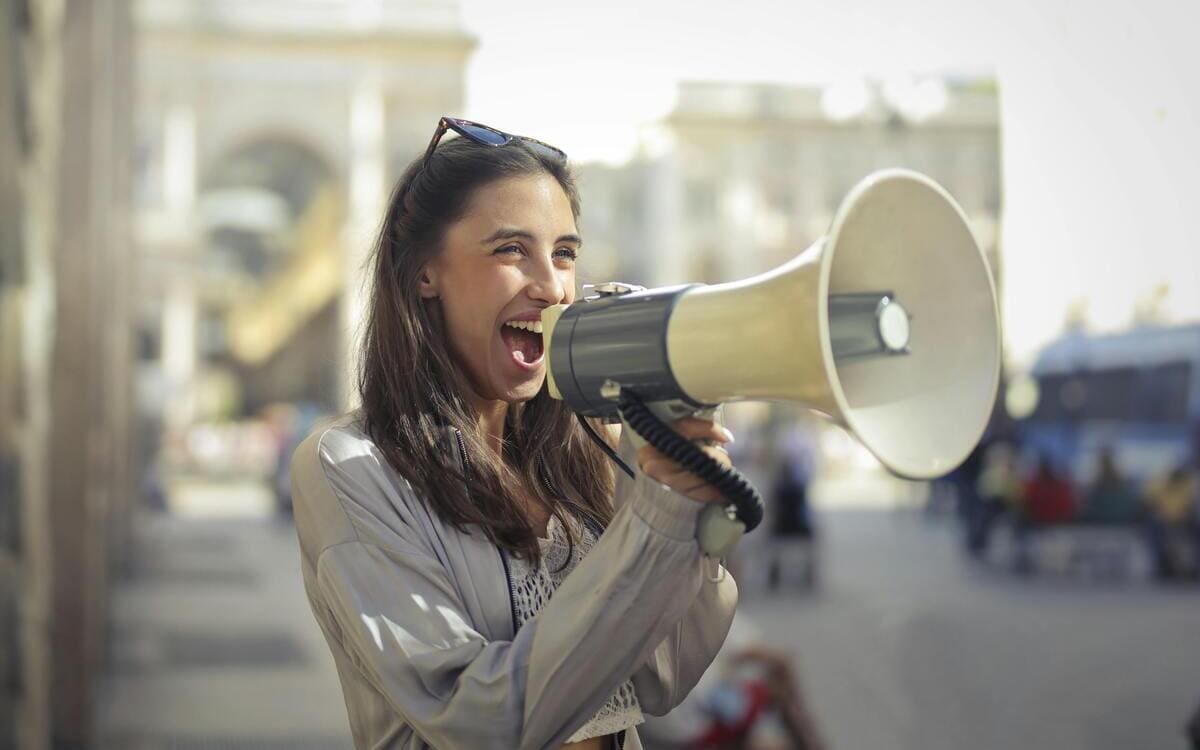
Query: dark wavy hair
[(412, 387)]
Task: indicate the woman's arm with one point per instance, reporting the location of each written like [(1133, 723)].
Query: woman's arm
[(681, 658), (677, 663), (400, 617)]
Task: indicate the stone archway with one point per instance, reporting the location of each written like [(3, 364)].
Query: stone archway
[(271, 211)]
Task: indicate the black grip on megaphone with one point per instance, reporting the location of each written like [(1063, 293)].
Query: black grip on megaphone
[(730, 482)]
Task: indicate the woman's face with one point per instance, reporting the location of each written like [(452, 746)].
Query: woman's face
[(510, 256)]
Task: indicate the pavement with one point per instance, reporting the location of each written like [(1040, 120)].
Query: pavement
[(903, 645), (212, 645), (907, 644)]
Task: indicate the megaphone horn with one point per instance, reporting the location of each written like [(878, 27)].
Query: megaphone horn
[(888, 326)]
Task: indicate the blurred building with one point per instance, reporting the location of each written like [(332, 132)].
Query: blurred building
[(187, 195), (740, 177), (267, 136)]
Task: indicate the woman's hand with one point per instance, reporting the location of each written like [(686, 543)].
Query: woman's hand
[(662, 469)]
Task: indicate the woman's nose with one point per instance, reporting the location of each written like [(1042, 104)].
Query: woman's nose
[(545, 284)]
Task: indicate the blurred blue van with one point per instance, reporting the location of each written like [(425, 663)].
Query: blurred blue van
[(1137, 392)]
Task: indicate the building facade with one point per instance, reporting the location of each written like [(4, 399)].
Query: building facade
[(748, 175), (187, 195), (267, 137)]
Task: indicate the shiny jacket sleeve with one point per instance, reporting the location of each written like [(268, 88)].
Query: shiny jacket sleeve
[(400, 618), (680, 659)]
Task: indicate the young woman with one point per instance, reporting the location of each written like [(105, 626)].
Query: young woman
[(482, 575)]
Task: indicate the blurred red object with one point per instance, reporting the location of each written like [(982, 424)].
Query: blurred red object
[(735, 707), (1049, 499)]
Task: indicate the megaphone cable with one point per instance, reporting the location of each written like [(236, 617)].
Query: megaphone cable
[(604, 446), (737, 489)]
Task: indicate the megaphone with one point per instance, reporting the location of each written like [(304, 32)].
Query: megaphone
[(887, 326)]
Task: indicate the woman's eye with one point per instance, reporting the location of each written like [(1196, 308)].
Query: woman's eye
[(508, 249), (567, 253)]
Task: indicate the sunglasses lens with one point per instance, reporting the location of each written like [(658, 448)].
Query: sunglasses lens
[(485, 135)]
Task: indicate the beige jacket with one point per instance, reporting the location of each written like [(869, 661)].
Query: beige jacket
[(419, 616)]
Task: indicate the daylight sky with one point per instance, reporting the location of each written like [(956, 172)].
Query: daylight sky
[(1100, 107)]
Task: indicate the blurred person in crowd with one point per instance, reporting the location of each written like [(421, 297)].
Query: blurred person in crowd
[(1046, 498), (792, 521), (1111, 497), (1193, 729), (291, 423), (959, 488), (1173, 529), (280, 419), (482, 575), (998, 490)]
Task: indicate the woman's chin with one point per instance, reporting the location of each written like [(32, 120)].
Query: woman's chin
[(526, 389), (514, 385)]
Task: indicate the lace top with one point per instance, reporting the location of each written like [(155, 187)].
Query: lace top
[(532, 587)]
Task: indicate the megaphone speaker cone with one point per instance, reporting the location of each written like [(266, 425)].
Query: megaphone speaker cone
[(899, 247), (920, 414)]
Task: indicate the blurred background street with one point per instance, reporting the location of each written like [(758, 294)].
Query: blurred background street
[(188, 192), (905, 644)]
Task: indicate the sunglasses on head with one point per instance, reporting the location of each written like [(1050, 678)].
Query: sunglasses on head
[(486, 136)]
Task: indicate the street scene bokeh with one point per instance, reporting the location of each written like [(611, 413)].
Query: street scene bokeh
[(188, 196)]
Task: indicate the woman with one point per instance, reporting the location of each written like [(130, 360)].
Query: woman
[(437, 520)]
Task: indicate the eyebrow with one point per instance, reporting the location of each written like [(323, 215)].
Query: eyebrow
[(505, 233)]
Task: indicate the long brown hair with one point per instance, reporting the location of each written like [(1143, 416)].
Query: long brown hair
[(412, 388)]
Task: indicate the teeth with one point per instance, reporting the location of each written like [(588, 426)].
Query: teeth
[(526, 325)]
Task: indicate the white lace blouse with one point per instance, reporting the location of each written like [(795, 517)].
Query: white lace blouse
[(532, 587)]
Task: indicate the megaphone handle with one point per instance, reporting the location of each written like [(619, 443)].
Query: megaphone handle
[(721, 526), (718, 530)]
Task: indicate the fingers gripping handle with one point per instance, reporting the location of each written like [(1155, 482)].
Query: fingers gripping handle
[(720, 526)]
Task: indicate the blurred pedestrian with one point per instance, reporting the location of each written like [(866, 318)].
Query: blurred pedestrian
[(963, 481), (1046, 498), (998, 491), (1111, 498), (792, 522), (1171, 521), (1193, 729)]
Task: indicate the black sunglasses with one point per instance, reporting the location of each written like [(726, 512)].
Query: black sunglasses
[(486, 136)]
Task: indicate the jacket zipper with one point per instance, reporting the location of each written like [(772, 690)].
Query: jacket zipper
[(545, 475), (462, 450)]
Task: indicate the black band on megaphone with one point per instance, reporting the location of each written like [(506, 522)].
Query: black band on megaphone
[(730, 482), (622, 338)]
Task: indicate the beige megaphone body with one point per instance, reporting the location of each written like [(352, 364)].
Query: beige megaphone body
[(888, 326)]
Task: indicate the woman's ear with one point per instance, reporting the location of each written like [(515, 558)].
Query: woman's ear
[(428, 285)]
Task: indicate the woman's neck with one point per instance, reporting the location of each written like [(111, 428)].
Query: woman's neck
[(490, 416)]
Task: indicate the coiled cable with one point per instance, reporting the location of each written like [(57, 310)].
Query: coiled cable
[(737, 489)]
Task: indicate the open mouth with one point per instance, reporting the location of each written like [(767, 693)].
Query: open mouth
[(523, 341)]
